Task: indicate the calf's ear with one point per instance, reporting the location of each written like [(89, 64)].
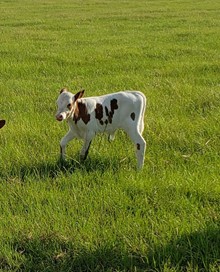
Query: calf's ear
[(63, 90), (79, 95), (2, 123)]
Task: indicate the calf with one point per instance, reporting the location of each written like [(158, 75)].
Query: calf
[(107, 113), (2, 123)]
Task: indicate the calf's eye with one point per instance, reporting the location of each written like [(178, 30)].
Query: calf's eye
[(69, 106)]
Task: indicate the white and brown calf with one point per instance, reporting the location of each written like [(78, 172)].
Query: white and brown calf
[(2, 123), (107, 113)]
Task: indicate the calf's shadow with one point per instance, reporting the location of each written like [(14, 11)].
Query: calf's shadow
[(54, 169)]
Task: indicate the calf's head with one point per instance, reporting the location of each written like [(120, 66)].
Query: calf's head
[(66, 104), (2, 123)]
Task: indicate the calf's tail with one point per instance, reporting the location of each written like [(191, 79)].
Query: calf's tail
[(142, 112)]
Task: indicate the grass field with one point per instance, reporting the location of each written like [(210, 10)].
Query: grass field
[(103, 215)]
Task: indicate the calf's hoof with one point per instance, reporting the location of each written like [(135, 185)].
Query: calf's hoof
[(82, 158)]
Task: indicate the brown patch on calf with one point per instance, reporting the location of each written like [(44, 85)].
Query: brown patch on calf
[(99, 113), (132, 116), (114, 106), (81, 113), (109, 115), (106, 111), (138, 146)]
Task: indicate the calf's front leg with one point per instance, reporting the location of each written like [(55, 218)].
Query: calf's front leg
[(64, 141), (85, 149)]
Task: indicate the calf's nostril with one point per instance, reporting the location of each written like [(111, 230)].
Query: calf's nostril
[(59, 117)]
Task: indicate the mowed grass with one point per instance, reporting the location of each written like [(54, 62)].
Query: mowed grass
[(103, 215)]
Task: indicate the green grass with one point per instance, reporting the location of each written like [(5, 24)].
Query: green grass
[(103, 215)]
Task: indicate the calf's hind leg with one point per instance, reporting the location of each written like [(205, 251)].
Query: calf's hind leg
[(140, 144)]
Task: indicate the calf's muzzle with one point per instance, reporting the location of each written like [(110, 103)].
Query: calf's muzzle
[(59, 117)]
